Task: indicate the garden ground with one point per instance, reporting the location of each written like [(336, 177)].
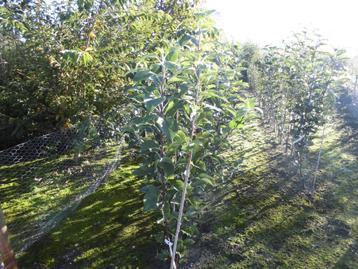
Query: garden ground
[(265, 220)]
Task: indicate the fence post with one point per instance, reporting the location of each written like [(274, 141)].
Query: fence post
[(7, 254)]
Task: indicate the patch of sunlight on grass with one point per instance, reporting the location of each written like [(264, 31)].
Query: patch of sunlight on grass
[(265, 227), (32, 192), (103, 230)]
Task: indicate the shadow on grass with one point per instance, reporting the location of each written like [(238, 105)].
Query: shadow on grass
[(273, 224), (34, 193), (108, 230)]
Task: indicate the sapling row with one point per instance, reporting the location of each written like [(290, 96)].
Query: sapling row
[(294, 87)]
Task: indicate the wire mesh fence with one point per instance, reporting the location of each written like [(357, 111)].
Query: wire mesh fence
[(45, 178)]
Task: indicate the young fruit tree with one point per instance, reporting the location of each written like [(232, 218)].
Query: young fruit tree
[(188, 105)]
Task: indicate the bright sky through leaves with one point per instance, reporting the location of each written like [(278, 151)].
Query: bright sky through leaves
[(271, 21)]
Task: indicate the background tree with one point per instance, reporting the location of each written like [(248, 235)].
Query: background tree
[(69, 63)]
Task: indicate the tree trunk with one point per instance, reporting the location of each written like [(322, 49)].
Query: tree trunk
[(313, 187), (288, 132), (6, 252), (183, 196)]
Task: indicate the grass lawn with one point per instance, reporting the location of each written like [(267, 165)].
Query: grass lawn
[(108, 230), (271, 223), (266, 221)]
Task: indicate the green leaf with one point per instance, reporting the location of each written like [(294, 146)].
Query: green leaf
[(206, 179), (172, 55), (175, 79), (197, 147), (4, 11), (70, 55), (170, 65), (236, 123), (149, 145), (250, 103), (230, 111), (168, 127), (173, 106), (151, 195), (169, 107), (211, 107), (179, 184), (151, 103), (86, 58), (180, 138), (148, 119), (233, 124), (212, 94), (142, 75), (167, 165)]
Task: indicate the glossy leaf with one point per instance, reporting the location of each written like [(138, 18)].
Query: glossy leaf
[(151, 194), (167, 165), (142, 75), (173, 54), (152, 103)]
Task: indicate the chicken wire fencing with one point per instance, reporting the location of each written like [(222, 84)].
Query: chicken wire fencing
[(45, 178)]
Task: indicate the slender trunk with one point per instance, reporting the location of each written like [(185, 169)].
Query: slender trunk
[(6, 252), (187, 172), (300, 164), (183, 197), (163, 181), (288, 137), (181, 209), (318, 161), (282, 127), (291, 138)]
